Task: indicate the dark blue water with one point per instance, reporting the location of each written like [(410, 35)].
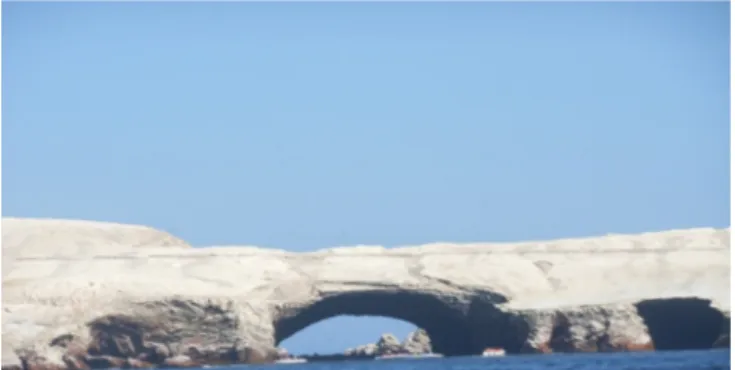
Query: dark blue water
[(674, 360)]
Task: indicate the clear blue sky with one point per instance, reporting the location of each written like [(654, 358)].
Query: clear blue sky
[(303, 126)]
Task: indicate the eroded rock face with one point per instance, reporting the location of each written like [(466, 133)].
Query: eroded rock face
[(116, 295), (388, 344), (417, 342), (183, 335), (609, 328)]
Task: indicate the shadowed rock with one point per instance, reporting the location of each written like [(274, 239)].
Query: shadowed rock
[(682, 323), (79, 293), (417, 342)]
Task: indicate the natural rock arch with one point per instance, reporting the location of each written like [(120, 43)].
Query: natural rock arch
[(445, 321), (233, 305)]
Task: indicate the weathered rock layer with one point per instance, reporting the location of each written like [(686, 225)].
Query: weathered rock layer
[(80, 294)]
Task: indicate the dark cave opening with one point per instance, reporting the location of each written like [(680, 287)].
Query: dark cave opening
[(444, 322), (494, 328), (681, 323)]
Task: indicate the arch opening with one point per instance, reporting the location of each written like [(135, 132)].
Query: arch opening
[(444, 320), (681, 323), (347, 337)]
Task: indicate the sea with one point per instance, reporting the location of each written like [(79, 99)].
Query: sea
[(715, 359)]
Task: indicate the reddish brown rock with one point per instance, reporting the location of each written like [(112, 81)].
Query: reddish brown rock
[(607, 344), (544, 348), (633, 347), (561, 338)]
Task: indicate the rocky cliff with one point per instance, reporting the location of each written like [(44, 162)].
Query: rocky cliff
[(80, 294)]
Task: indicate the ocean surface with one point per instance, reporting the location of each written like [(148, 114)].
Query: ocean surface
[(674, 360)]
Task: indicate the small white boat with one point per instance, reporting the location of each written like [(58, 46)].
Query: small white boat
[(294, 360), (408, 356), (493, 352)]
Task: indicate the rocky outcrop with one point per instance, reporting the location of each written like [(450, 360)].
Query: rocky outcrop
[(386, 345), (80, 294), (607, 328), (174, 334), (417, 342)]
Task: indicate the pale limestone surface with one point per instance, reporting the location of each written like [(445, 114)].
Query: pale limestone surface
[(53, 238), (59, 274)]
